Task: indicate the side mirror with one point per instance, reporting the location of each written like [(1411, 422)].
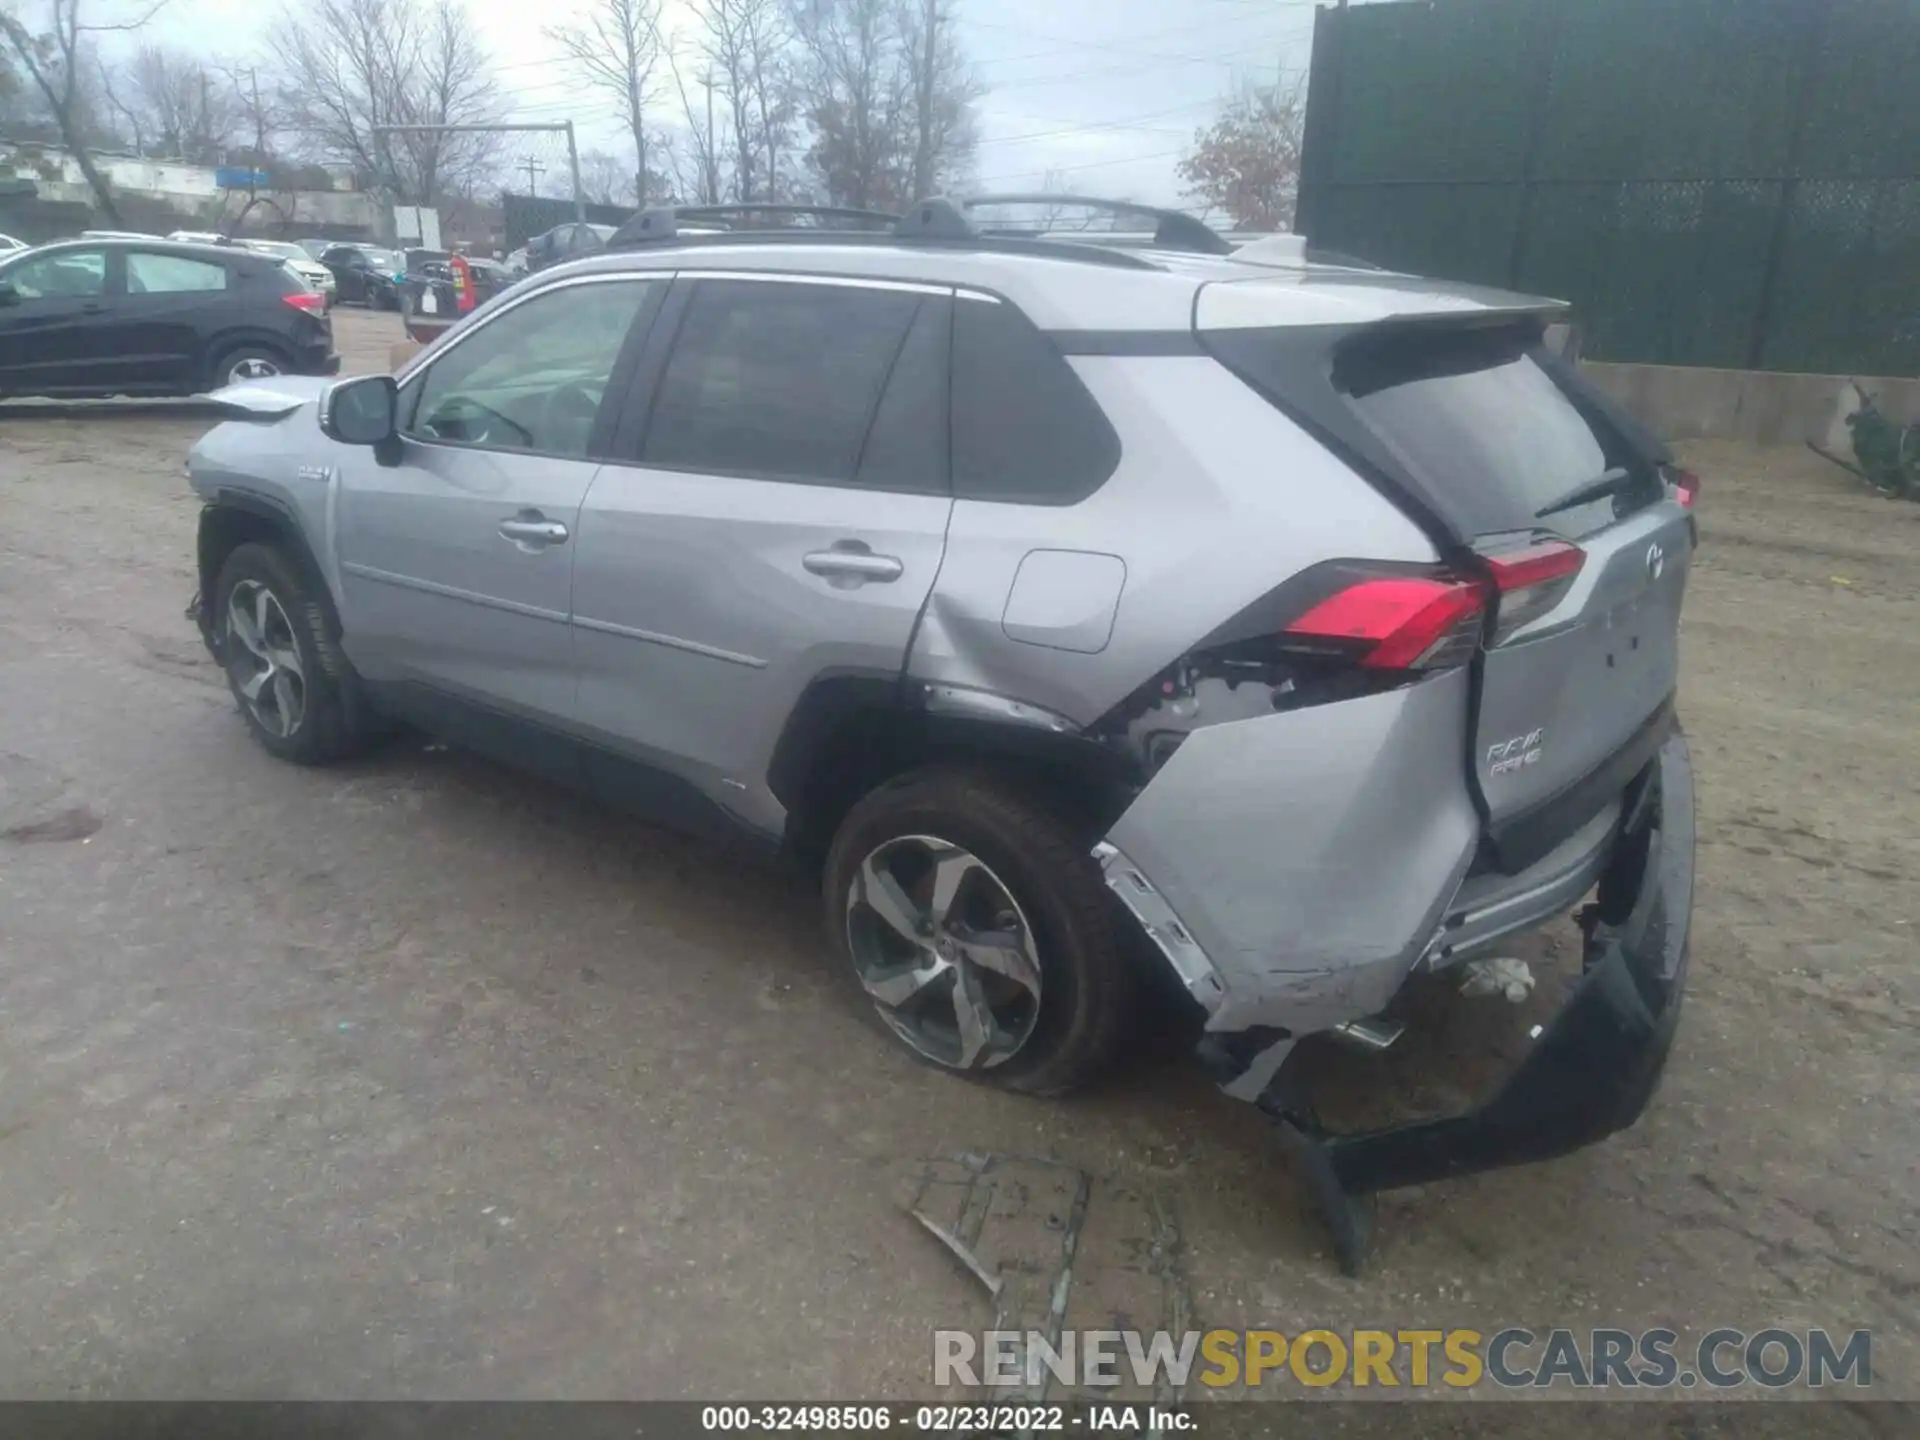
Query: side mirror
[(361, 411), (8, 295)]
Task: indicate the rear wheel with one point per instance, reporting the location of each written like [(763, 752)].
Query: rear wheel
[(980, 930)]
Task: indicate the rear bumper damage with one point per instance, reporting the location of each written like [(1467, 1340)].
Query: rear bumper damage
[(1592, 1068), (1589, 1071)]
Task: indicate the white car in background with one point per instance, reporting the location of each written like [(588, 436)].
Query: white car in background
[(300, 262)]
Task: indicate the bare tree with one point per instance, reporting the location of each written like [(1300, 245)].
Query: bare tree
[(172, 104), (857, 90), (944, 89), (616, 51), (1247, 162), (697, 153), (352, 66), (747, 46), (55, 60), (605, 179)]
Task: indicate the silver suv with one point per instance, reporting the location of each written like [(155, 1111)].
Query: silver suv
[(1322, 616)]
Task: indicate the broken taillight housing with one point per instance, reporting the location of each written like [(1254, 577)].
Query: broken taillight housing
[(1686, 487), (311, 301), (1395, 622), (1530, 581)]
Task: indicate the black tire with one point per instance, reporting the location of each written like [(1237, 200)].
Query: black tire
[(227, 361), (1089, 980), (329, 725)]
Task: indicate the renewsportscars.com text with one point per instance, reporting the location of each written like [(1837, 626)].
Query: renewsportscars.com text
[(1513, 1358)]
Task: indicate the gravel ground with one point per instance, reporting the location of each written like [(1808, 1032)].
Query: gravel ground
[(415, 1078)]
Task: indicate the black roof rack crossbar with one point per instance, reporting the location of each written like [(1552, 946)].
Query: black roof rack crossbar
[(662, 222), (1172, 229)]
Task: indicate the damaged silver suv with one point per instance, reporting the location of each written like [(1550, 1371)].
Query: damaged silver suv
[(1321, 615)]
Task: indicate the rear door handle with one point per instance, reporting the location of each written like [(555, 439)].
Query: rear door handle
[(533, 531), (853, 567)]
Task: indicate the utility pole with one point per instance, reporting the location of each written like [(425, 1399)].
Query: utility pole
[(712, 156), (573, 165), (534, 171)]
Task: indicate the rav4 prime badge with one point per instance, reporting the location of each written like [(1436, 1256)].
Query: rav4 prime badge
[(1514, 754)]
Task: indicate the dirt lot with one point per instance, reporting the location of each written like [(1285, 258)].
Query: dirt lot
[(415, 1078)]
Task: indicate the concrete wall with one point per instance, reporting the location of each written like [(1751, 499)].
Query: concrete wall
[(1765, 407)]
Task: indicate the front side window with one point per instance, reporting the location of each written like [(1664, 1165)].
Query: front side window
[(776, 380), (150, 274), (533, 378), (51, 277)]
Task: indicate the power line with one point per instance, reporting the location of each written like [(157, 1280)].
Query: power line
[(1086, 165)]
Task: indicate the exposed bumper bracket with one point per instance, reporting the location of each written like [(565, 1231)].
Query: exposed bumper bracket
[(1594, 1066)]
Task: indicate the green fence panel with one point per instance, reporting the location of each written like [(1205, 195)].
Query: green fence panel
[(1709, 182)]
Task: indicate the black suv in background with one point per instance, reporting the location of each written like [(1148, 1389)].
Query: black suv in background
[(364, 276), (154, 317)]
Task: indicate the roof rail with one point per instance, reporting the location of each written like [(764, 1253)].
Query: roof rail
[(1173, 229), (939, 220), (663, 222)]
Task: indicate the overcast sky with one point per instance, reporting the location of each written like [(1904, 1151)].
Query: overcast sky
[(1107, 91)]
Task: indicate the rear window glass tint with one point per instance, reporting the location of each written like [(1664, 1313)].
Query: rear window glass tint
[(776, 380), (1024, 427), (1483, 419)]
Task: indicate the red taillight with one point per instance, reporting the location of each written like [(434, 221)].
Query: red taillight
[(1532, 581), (311, 301), (1399, 622), (1686, 487), (1535, 565)]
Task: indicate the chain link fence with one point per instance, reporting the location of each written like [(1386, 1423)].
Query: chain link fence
[(1711, 182)]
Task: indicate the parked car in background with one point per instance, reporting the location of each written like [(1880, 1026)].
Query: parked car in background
[(316, 245), (318, 276), (566, 242), (200, 237), (152, 317), (364, 275), (117, 235)]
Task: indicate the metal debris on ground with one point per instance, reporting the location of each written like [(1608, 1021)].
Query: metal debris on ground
[(1057, 1251)]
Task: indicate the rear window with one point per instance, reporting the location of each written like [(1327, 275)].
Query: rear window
[(1492, 422)]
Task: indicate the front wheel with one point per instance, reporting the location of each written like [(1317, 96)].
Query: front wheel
[(283, 664), (979, 929), (248, 362)]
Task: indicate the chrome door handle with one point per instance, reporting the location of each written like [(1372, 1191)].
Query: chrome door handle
[(853, 565), (524, 530)]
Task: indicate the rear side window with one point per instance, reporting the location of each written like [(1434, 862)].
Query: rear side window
[(1024, 427), (777, 381), (150, 274), (1484, 419)]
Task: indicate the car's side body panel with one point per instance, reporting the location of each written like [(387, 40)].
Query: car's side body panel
[(1216, 500)]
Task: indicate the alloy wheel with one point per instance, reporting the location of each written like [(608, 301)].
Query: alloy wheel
[(265, 661), (945, 952), (254, 367)]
